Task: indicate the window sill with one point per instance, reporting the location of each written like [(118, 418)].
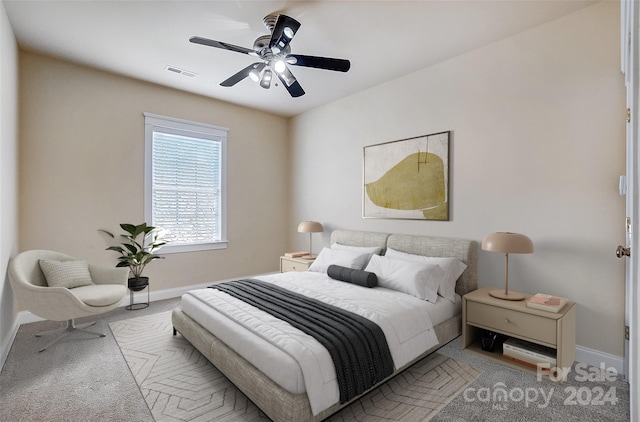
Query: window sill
[(169, 249)]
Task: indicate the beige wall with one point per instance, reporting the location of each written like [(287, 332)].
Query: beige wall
[(8, 177), (538, 145), (81, 169)]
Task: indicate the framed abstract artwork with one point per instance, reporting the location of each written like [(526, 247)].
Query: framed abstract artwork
[(407, 179)]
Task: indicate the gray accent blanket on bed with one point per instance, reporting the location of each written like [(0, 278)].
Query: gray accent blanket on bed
[(357, 345)]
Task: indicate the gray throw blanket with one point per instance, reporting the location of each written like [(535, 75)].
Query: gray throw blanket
[(357, 345)]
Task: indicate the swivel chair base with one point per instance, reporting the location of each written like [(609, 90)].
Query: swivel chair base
[(67, 331)]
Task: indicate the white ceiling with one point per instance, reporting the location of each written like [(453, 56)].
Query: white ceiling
[(382, 39)]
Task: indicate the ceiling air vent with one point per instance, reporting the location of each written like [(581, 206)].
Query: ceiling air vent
[(181, 71)]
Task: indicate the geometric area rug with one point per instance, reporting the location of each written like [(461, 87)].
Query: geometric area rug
[(179, 384)]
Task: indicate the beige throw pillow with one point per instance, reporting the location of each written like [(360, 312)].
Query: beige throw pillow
[(67, 274)]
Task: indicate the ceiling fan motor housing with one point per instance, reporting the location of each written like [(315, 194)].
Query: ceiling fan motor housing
[(270, 21), (261, 42)]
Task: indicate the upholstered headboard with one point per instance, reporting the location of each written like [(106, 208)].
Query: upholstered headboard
[(463, 249), (358, 238)]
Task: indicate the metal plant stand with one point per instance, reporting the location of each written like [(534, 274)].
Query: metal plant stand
[(137, 286)]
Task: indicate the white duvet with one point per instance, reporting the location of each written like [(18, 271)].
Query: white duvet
[(404, 320)]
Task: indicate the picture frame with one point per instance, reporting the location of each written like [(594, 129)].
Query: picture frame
[(407, 178)]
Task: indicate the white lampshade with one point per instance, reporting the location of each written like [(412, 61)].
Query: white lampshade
[(507, 242), (310, 227)]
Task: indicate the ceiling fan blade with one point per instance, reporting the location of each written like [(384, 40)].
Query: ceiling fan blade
[(283, 32), (222, 45), (234, 79), (327, 63), (291, 83)]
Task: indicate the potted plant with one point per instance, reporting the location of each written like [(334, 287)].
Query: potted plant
[(136, 253)]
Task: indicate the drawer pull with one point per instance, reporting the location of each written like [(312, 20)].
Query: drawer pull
[(507, 320)]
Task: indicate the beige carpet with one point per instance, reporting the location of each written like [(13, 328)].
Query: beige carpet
[(179, 384)]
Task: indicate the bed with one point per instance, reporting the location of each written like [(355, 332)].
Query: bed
[(291, 403)]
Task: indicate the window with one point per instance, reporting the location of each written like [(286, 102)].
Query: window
[(185, 186)]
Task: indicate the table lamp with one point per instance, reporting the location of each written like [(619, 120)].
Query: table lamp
[(310, 227), (507, 243)]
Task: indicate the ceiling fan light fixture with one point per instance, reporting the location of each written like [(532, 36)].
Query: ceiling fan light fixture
[(265, 82), (279, 65), (255, 73), (288, 32)]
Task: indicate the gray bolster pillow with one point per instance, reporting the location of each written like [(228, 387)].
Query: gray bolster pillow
[(359, 277)]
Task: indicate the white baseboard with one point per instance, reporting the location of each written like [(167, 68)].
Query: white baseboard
[(155, 296), (26, 317), (176, 291), (600, 359), (7, 342)]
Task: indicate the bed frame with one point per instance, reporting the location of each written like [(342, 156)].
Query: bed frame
[(281, 405)]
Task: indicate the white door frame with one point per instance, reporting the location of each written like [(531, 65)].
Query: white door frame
[(630, 26)]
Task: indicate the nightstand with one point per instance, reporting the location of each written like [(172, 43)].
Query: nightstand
[(294, 264), (515, 319)]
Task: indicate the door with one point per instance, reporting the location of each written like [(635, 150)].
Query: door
[(631, 251)]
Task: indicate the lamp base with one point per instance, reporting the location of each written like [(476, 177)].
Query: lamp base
[(500, 294)]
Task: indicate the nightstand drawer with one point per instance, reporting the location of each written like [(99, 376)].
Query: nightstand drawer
[(512, 322), (291, 265)]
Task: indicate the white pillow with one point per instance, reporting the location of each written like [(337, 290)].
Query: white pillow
[(452, 268), (371, 250), (344, 258), (69, 274), (416, 279)]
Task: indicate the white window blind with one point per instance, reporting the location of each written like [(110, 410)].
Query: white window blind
[(185, 182)]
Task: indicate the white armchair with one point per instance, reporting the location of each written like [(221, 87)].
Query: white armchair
[(60, 303)]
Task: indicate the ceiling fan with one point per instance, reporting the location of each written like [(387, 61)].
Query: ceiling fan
[(275, 55)]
